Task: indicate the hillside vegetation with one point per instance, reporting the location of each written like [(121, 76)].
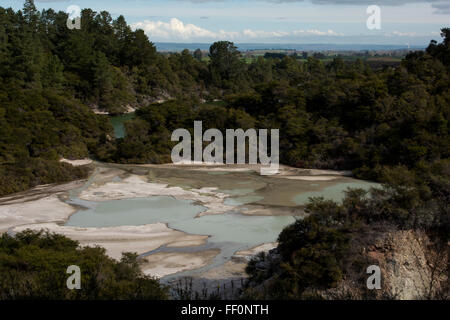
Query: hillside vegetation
[(389, 124), (326, 254), (34, 266), (338, 115)]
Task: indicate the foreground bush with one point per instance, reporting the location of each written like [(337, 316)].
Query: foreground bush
[(33, 265)]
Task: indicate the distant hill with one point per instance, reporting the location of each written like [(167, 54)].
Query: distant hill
[(172, 46)]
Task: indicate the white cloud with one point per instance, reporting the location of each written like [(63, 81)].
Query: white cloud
[(435, 3), (404, 34), (176, 30), (264, 34), (316, 33), (410, 34)]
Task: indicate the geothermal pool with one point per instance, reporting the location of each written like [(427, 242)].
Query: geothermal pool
[(231, 231), (118, 123)]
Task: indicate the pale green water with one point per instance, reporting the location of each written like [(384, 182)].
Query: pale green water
[(134, 212), (180, 214), (229, 232), (118, 123), (242, 200), (237, 192), (335, 192)]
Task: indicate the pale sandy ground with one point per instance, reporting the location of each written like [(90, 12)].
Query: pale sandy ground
[(130, 109), (230, 276), (266, 247), (115, 240), (96, 111), (258, 210), (231, 269), (311, 178), (41, 209), (40, 192), (282, 171), (38, 205), (310, 174), (103, 175), (165, 263), (77, 163), (329, 172), (137, 187), (224, 169), (46, 209), (235, 268)]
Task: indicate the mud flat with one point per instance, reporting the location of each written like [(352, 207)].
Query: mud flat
[(311, 178), (235, 268), (135, 186), (261, 210), (36, 211), (44, 208), (77, 163), (40, 192), (235, 181), (266, 247), (165, 263), (115, 240), (227, 279), (206, 219)]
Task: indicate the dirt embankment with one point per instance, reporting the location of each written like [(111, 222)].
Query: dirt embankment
[(411, 266)]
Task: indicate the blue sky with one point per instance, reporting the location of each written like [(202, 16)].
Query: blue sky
[(413, 22)]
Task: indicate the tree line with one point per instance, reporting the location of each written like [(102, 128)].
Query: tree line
[(388, 124), (337, 115)]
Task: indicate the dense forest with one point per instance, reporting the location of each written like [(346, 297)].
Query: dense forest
[(388, 124), (337, 115)]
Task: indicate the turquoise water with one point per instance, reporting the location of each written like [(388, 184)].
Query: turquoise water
[(242, 200), (335, 192), (134, 212), (118, 123), (229, 232), (237, 192), (232, 227), (180, 214)]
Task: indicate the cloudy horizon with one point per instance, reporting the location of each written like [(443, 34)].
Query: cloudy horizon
[(405, 22)]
